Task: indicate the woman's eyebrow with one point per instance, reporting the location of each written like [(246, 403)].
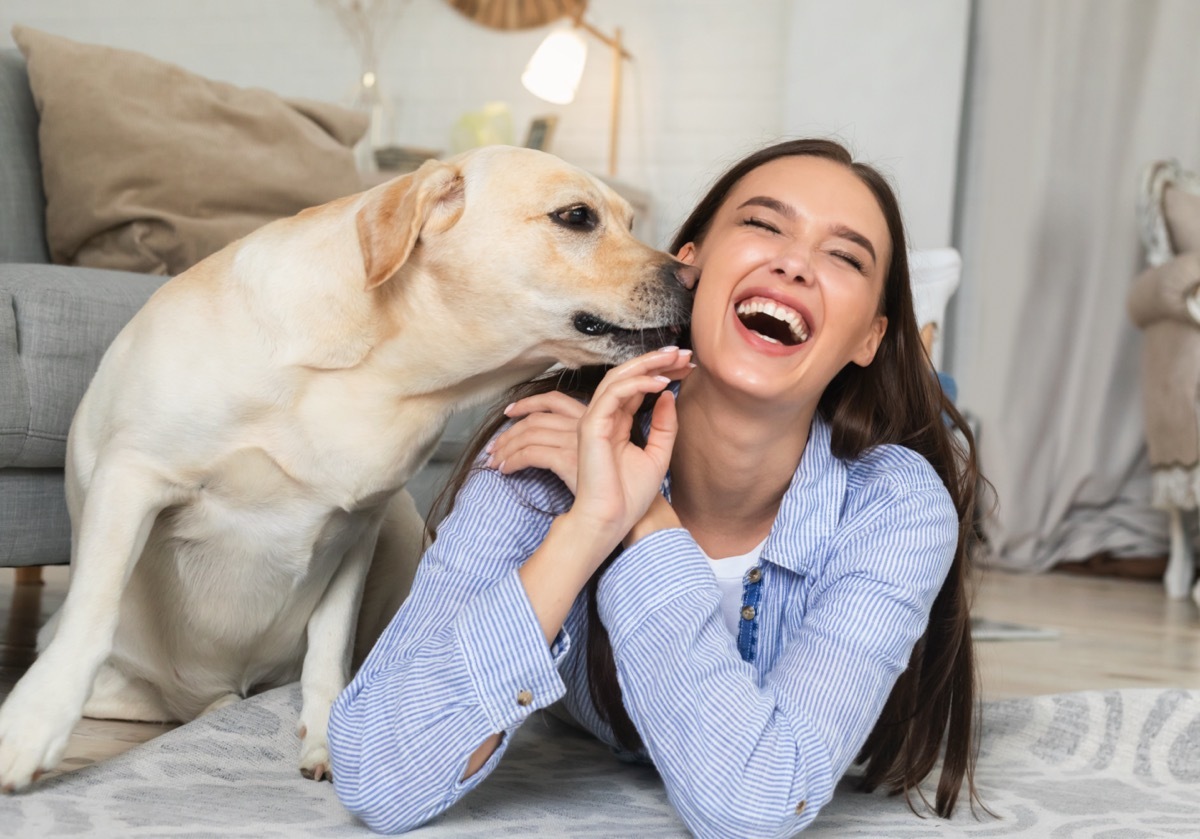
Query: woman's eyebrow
[(789, 212), (852, 235), (785, 210)]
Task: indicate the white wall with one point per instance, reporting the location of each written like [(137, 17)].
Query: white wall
[(711, 79), (887, 78)]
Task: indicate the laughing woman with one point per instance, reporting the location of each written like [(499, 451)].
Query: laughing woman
[(769, 588)]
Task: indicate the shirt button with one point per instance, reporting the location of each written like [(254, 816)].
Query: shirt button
[(524, 698), (748, 613), (800, 807), (754, 575)]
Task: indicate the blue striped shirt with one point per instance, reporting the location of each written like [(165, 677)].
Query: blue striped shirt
[(750, 735)]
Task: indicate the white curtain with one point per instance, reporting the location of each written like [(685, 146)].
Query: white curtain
[(1067, 100)]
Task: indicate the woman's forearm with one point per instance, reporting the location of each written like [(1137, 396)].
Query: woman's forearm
[(447, 684), (660, 516), (552, 577), (558, 570)]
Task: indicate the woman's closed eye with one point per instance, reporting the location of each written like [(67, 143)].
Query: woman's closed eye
[(851, 260), (855, 262), (754, 221)]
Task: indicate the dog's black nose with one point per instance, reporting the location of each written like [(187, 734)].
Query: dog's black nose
[(687, 275)]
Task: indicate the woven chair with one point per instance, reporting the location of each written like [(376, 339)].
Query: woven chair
[(1164, 302)]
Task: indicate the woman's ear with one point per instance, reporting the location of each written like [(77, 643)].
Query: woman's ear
[(870, 345), (687, 254)]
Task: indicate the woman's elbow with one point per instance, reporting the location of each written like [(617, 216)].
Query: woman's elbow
[(733, 812), (719, 825), (388, 821), (383, 795), (388, 809)]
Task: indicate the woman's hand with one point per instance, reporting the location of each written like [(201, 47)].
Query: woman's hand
[(616, 479), (546, 434), (545, 437)]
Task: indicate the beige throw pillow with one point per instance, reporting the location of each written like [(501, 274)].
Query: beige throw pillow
[(150, 168)]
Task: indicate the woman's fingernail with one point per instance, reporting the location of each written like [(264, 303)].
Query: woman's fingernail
[(508, 408), (488, 448), (671, 348), (683, 353), (663, 379), (491, 461), (692, 364)]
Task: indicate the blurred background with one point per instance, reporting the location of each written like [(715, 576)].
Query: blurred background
[(1018, 134)]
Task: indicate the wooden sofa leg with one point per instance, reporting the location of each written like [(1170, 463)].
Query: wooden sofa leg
[(30, 575)]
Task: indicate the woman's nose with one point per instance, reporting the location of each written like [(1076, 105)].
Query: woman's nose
[(792, 263)]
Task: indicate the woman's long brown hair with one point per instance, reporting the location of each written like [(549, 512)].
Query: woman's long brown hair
[(931, 711)]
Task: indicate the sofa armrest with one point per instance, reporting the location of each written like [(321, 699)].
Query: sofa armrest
[(55, 325)]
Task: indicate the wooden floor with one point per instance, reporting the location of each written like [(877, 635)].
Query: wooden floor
[(1113, 633)]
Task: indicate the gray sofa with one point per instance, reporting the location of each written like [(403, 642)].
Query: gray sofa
[(55, 324)]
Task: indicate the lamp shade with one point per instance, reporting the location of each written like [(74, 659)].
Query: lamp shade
[(554, 71)]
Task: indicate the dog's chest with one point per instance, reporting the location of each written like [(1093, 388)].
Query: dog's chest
[(250, 513)]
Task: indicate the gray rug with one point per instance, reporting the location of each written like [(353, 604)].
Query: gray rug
[(1115, 764)]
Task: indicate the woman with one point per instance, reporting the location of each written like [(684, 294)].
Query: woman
[(772, 588)]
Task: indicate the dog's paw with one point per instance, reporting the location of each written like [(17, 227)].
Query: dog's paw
[(313, 730), (314, 761), (34, 731)]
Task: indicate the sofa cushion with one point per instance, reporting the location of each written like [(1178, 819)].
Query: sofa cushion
[(22, 204), (150, 168), (55, 324), (34, 526)]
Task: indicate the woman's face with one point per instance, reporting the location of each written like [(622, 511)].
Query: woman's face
[(792, 269)]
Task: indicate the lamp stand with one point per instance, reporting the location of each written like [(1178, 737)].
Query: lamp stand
[(615, 115), (619, 54)]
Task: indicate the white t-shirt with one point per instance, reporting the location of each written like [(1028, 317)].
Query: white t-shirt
[(729, 572)]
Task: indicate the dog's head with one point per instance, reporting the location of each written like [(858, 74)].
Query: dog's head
[(533, 258)]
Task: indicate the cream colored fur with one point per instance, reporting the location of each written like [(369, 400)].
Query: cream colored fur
[(235, 471)]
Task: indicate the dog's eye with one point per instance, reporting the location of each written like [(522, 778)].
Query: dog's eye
[(578, 217)]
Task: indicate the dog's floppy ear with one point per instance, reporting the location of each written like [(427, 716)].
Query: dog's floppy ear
[(391, 222)]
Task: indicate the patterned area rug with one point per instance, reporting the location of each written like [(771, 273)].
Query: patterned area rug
[(1116, 764)]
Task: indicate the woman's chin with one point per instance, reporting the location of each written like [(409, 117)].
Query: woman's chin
[(747, 378)]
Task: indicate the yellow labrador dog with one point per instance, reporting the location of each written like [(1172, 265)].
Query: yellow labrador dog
[(236, 468)]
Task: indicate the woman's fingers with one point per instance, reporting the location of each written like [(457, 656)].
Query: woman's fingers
[(664, 425), (617, 479), (529, 430), (539, 441), (523, 438), (670, 362), (553, 402), (563, 461), (611, 411), (667, 361), (550, 427)]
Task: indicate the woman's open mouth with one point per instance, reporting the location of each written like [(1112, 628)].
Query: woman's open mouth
[(773, 321)]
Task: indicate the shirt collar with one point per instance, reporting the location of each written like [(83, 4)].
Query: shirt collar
[(811, 506)]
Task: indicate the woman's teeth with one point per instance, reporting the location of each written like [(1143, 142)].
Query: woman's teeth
[(773, 320)]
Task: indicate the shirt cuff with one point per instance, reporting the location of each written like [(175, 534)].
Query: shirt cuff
[(655, 570), (512, 669)]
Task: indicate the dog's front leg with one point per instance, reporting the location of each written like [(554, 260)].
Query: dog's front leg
[(36, 720), (330, 643)]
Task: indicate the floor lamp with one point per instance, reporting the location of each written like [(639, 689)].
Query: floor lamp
[(554, 71)]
